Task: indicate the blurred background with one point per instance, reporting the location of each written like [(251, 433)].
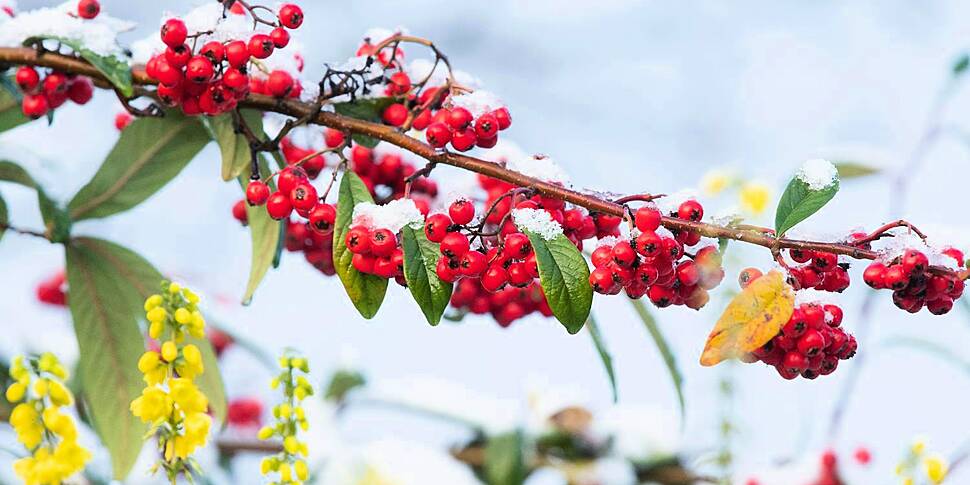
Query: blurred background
[(630, 96)]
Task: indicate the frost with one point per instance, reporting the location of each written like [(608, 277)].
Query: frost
[(537, 221), (671, 202), (609, 241), (810, 295), (727, 216), (540, 167), (393, 216), (478, 102), (904, 239), (818, 174), (98, 34)]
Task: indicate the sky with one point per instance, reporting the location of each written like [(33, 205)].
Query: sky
[(627, 95)]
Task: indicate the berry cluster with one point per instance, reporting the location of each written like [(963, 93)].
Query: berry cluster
[(43, 94), (658, 266), (506, 305), (386, 174), (821, 271), (376, 251), (914, 286), (212, 79)]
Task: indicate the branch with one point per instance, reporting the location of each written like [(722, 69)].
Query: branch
[(391, 135), (7, 227)]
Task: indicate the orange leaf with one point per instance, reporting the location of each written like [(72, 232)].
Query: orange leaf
[(752, 319)]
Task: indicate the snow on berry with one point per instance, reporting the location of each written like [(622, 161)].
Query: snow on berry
[(537, 221), (98, 34), (670, 203), (477, 102), (392, 216), (818, 173), (903, 239), (540, 167), (811, 295)]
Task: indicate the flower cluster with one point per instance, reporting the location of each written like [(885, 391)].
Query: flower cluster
[(46, 431), (289, 467), (919, 463), (171, 403), (46, 91), (213, 78)]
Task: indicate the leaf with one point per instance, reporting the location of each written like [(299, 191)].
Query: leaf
[(564, 276), (420, 259), (210, 382), (505, 459), (10, 114), (57, 224), (150, 153), (799, 202), (342, 382), (365, 291), (665, 351), (4, 217), (115, 69), (605, 357), (369, 109), (236, 156), (852, 170), (961, 64), (266, 236), (751, 319), (109, 284)]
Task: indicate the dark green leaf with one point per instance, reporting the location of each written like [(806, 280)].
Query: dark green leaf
[(851, 170), (4, 217), (57, 224), (364, 109), (11, 115), (505, 459), (420, 259), (668, 355), (365, 291), (961, 64), (342, 382), (115, 69), (236, 156), (799, 202), (265, 235), (722, 245), (150, 153), (564, 276), (605, 357)]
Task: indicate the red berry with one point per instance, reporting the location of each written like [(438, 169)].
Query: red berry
[(459, 118), (303, 197), (833, 315), (486, 142), (862, 456), (796, 326), (122, 120), (291, 16), (278, 206), (486, 126), (814, 315), (279, 84), (237, 53), (81, 90), (166, 73), (472, 264), (647, 219), (395, 114), (289, 177), (624, 254), (794, 362), (647, 274), (519, 275), (322, 218), (601, 279), (280, 37), (239, 212), (34, 106), (825, 261), (517, 245), (503, 117), (422, 120), (363, 263), (333, 138), (55, 82), (178, 56), (438, 134), (810, 343), (494, 278), (801, 255), (896, 277), (235, 79), (747, 276), (464, 140), (88, 9), (688, 274), (199, 69), (954, 253), (913, 262), (602, 256), (940, 306), (257, 192), (358, 240), (382, 242), (27, 78), (260, 46), (649, 244), (174, 32), (690, 210), (399, 83), (875, 275), (462, 211), (661, 296), (447, 270), (454, 245), (436, 227)]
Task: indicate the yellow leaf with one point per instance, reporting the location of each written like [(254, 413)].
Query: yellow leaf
[(752, 319)]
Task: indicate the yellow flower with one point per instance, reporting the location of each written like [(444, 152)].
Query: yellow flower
[(59, 394), (153, 405), (715, 181), (174, 288), (919, 446), (157, 314), (40, 388), (301, 469), (182, 316), (265, 433), (755, 197), (188, 397), (290, 418), (170, 351), (152, 302), (26, 422), (936, 468), (16, 392), (193, 362)]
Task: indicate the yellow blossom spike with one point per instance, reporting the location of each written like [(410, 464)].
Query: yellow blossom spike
[(182, 316), (936, 468), (152, 302), (59, 394), (157, 314), (170, 351), (16, 392), (174, 288)]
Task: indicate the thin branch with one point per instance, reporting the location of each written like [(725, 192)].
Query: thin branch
[(26, 232)]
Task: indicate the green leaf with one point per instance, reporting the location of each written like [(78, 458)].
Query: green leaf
[(365, 291), (961, 64), (852, 170), (342, 382), (420, 259), (605, 357), (57, 224), (505, 459), (114, 68), (799, 202), (109, 284), (4, 217), (210, 382), (150, 153), (668, 355), (266, 236), (564, 276), (236, 156), (11, 115), (364, 109)]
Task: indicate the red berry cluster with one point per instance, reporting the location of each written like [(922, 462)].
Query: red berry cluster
[(821, 271), (458, 127), (53, 290), (214, 78), (376, 251), (811, 343), (506, 305), (317, 247), (913, 286), (47, 93), (658, 266), (386, 174)]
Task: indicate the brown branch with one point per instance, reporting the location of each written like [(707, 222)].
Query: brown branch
[(882, 231), (7, 227), (299, 110)]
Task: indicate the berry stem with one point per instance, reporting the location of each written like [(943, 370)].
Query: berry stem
[(881, 232)]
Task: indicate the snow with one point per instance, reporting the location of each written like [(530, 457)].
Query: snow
[(672, 202), (420, 68), (478, 102), (98, 34), (538, 166), (537, 221), (903, 239), (818, 174), (727, 216), (811, 295), (393, 216), (608, 241)]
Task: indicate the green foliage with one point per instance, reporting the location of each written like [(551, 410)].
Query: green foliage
[(365, 291), (604, 353), (505, 459), (961, 64), (150, 153), (564, 276), (799, 202), (236, 155), (364, 109), (266, 236), (115, 69), (4, 217), (57, 224), (852, 170), (10, 113), (420, 259), (342, 382), (665, 351)]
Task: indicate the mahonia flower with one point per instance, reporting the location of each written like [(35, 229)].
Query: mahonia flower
[(171, 402), (42, 427), (289, 467), (716, 181), (755, 197), (933, 466)]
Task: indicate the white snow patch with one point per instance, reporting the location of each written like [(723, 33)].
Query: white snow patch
[(537, 221), (393, 216), (818, 173), (904, 239), (100, 34), (538, 166), (478, 102), (609, 241), (505, 150), (376, 35), (811, 295), (422, 67)]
